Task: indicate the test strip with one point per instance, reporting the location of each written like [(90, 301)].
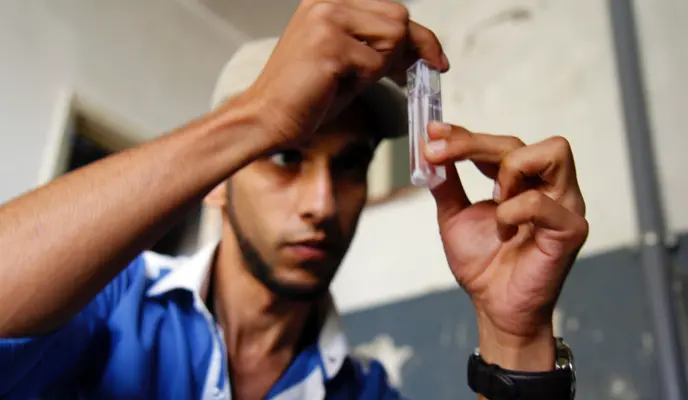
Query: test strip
[(424, 105)]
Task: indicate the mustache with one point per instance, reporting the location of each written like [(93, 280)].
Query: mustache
[(331, 240)]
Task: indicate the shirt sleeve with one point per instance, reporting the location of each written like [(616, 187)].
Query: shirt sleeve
[(29, 365)]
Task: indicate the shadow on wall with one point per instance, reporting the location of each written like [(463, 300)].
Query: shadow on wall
[(603, 313)]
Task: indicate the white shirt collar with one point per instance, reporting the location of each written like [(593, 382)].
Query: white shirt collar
[(192, 274), (188, 273)]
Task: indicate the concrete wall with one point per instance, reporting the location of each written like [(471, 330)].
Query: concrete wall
[(152, 63), (533, 68)]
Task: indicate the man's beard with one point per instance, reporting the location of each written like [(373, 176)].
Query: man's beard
[(264, 273)]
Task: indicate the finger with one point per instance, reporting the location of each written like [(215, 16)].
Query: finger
[(376, 29), (365, 61), (549, 163), (488, 169), (450, 196), (425, 44), (421, 43), (453, 143), (418, 41), (363, 64), (388, 8), (555, 225)]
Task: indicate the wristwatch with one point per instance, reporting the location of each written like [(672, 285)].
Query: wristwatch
[(496, 383)]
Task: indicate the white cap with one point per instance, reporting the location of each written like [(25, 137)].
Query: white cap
[(385, 99)]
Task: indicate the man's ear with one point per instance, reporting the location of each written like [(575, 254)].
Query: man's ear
[(217, 198)]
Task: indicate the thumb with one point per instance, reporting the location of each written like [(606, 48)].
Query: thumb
[(450, 196)]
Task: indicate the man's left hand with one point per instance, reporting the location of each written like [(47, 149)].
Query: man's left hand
[(512, 253)]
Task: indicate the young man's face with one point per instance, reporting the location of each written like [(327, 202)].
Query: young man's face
[(295, 213)]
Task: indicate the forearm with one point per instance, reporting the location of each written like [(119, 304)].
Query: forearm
[(62, 243)]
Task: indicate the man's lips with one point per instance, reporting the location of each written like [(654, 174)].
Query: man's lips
[(309, 250)]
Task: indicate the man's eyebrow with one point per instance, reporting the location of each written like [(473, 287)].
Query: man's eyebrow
[(360, 147)]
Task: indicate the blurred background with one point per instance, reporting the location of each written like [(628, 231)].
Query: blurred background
[(81, 79)]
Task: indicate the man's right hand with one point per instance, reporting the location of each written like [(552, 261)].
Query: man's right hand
[(329, 52)]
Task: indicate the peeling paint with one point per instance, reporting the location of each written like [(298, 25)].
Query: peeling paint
[(445, 334), (648, 342), (572, 324), (461, 335), (392, 357), (621, 389)]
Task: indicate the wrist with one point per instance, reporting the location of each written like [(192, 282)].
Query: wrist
[(533, 352), (244, 117), (230, 137), (492, 379)]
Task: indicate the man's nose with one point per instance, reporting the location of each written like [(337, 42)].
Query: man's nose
[(317, 202)]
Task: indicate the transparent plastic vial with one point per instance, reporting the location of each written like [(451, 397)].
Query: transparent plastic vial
[(424, 105)]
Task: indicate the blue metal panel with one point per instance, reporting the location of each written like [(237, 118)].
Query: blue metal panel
[(605, 315)]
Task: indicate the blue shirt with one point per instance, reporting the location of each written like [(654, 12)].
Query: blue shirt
[(149, 335)]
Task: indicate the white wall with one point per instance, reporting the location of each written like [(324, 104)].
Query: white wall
[(152, 62), (533, 68)]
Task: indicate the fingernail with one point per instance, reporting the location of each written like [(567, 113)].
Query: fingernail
[(437, 146), (440, 128), (496, 191)]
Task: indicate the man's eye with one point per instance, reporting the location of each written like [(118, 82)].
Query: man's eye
[(288, 158), (356, 165)]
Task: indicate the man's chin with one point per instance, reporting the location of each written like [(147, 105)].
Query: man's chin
[(293, 291), (298, 281)]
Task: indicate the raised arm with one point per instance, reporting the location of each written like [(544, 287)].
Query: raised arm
[(512, 255), (62, 243)]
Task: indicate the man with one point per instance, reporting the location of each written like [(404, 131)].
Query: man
[(83, 312)]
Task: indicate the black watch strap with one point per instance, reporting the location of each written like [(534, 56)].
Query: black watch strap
[(496, 383)]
